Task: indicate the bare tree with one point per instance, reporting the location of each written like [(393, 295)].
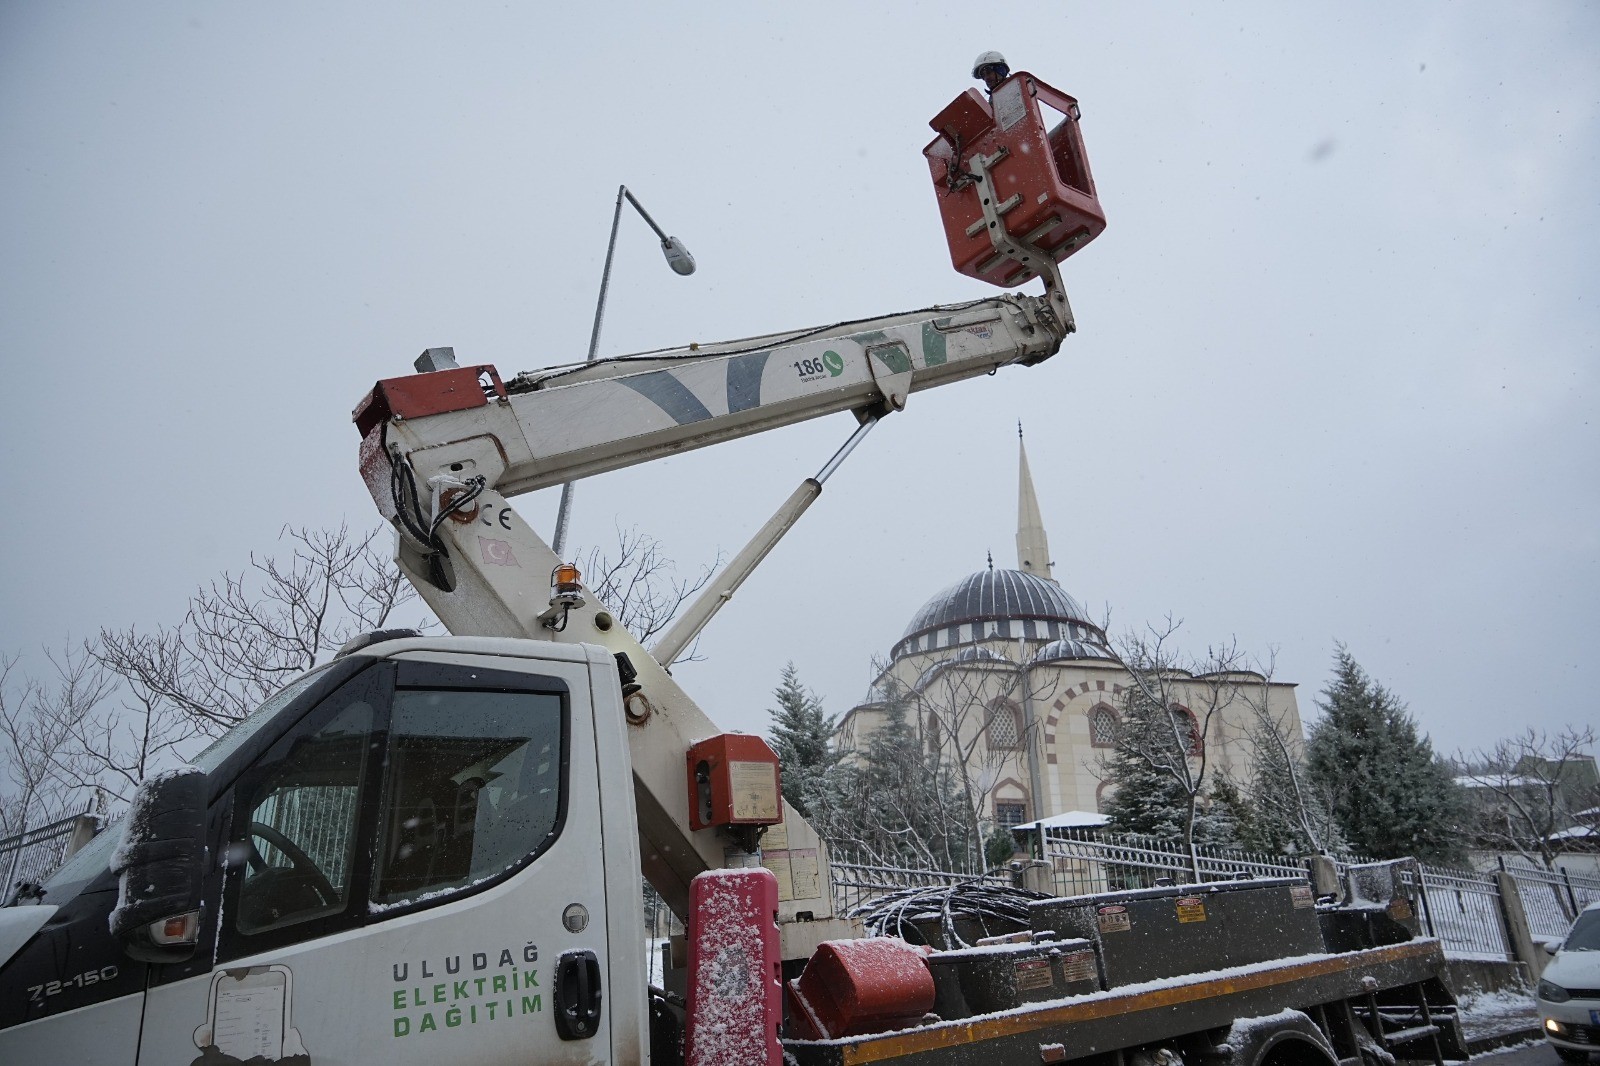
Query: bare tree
[(1285, 802), (969, 712), (1531, 790), (43, 771), (247, 634), (638, 583), (1171, 710)]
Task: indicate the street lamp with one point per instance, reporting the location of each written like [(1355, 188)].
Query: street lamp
[(679, 259)]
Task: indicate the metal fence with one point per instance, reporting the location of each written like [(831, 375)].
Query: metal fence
[(1463, 910), (34, 854), (1551, 899), (1082, 862), (858, 883)]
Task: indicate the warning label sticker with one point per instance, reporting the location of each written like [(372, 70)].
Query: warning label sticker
[(1078, 966), (1300, 897), (1191, 909), (1034, 974), (1114, 919), (1400, 908)]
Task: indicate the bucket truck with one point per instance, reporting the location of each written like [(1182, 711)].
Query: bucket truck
[(429, 849)]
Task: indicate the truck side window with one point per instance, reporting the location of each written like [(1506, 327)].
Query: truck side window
[(298, 840), (472, 787)]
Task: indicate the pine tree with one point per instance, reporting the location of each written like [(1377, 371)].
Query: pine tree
[(800, 737), (1288, 813), (1390, 794), (893, 805), (1146, 800)]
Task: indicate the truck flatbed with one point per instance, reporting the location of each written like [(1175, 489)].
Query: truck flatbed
[(1337, 991)]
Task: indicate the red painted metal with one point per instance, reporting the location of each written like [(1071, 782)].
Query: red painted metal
[(735, 998), (852, 987), (1041, 162), (733, 780), (418, 395)]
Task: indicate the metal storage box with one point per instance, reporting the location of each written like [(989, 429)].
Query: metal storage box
[(1162, 932)]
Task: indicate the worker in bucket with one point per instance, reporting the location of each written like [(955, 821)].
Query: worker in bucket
[(992, 68)]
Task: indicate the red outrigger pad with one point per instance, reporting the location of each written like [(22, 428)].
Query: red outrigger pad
[(1044, 192), (735, 999)]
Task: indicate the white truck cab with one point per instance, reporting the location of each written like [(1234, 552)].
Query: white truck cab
[(424, 851)]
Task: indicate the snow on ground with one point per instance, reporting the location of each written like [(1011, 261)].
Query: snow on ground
[(1483, 1013)]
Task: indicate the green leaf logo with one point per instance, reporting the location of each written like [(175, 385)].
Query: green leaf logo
[(834, 362)]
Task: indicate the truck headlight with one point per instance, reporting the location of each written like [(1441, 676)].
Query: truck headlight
[(1553, 993)]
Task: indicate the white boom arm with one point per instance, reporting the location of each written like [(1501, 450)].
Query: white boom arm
[(442, 451)]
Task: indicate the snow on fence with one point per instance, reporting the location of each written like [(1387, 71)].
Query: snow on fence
[(1463, 910), (1551, 899)]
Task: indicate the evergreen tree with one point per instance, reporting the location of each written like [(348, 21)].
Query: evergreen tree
[(1288, 813), (1389, 793), (892, 804), (1146, 800), (800, 737)]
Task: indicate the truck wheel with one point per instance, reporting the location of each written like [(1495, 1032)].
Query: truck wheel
[(1288, 1038)]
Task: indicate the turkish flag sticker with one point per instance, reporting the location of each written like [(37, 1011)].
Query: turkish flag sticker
[(497, 552)]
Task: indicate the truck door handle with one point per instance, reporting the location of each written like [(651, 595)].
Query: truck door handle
[(577, 995)]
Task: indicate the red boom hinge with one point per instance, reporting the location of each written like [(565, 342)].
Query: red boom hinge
[(418, 395)]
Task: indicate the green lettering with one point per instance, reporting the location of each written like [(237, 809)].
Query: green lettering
[(399, 999), (452, 1017), (492, 1004), (530, 978), (427, 1023), (402, 1026), (460, 990), (438, 993), (479, 980), (531, 1004), (499, 983), (416, 994)]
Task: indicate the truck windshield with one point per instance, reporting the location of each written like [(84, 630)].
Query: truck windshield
[(94, 856)]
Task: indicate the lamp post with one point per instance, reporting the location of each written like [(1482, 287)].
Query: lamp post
[(679, 259)]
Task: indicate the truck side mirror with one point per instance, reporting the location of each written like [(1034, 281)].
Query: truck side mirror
[(159, 866)]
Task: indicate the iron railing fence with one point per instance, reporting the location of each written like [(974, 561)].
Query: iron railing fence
[(34, 854), (858, 884), (1086, 861), (1464, 911), (1551, 899)]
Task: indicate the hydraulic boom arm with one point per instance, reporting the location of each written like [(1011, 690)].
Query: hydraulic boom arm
[(442, 451)]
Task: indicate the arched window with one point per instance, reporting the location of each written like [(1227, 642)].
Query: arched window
[(1005, 725), (930, 733), (1188, 728), (1101, 795), (1102, 726)]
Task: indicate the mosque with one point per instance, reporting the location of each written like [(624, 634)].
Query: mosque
[(1005, 672)]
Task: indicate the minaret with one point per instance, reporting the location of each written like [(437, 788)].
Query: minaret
[(1033, 548)]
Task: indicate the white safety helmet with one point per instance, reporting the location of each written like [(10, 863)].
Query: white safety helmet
[(988, 59)]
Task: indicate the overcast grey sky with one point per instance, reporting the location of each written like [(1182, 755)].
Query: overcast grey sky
[(1336, 374)]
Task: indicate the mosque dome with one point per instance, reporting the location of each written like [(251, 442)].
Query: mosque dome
[(998, 605)]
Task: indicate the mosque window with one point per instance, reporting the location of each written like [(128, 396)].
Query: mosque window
[(1009, 814), (1188, 728), (1102, 726), (1005, 725)]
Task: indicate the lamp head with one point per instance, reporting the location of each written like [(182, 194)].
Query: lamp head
[(678, 257)]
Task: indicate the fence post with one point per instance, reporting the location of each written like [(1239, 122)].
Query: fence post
[(1518, 935), (1324, 876), (84, 828), (1572, 897)]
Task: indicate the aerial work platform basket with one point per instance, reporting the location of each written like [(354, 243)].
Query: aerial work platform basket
[(1013, 182)]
